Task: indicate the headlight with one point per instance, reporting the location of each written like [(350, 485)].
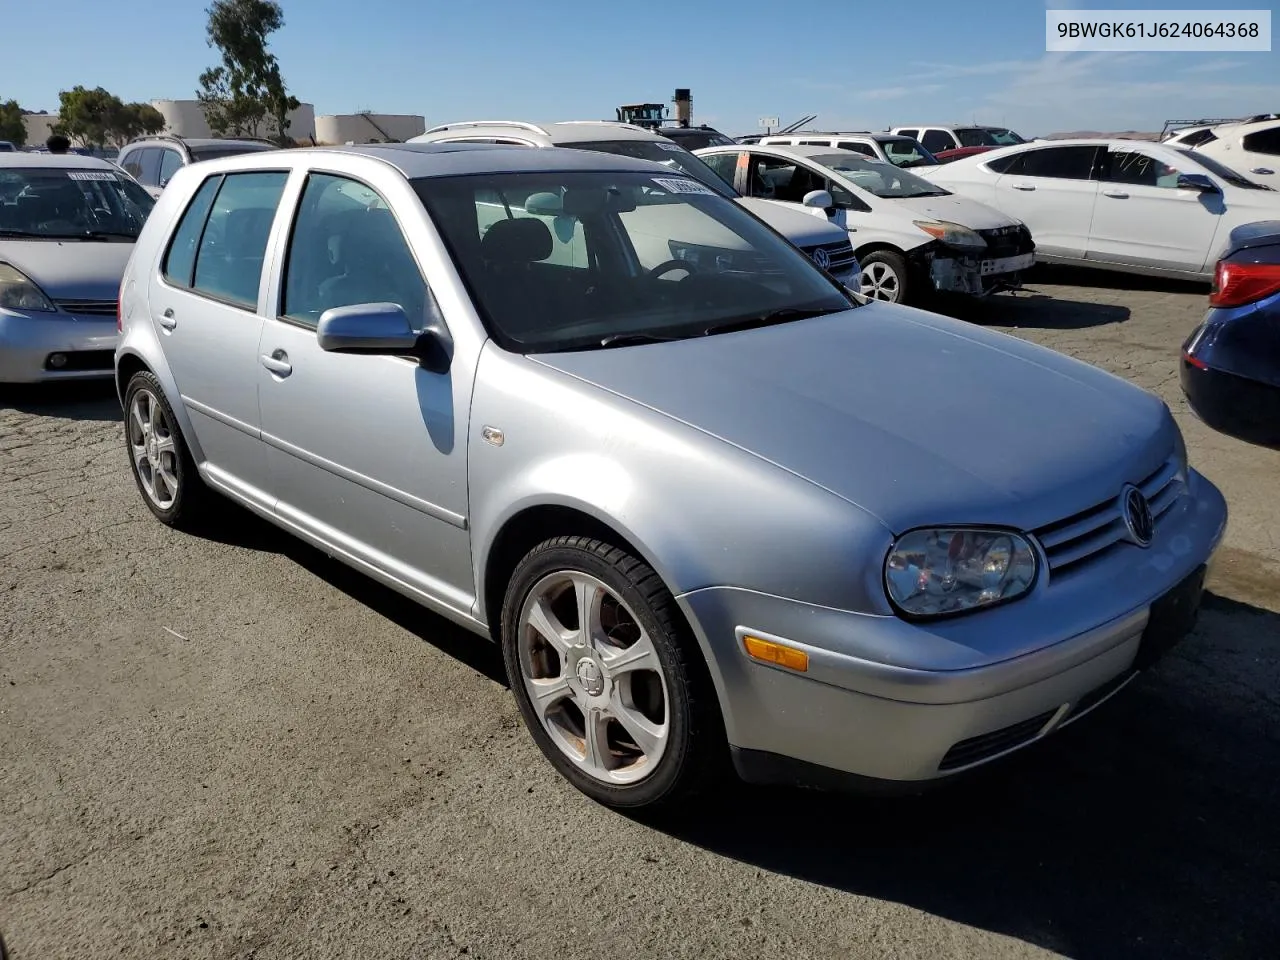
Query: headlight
[(952, 234), (939, 572), (19, 293)]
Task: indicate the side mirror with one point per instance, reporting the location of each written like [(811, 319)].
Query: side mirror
[(381, 330), (821, 199), (1196, 181)]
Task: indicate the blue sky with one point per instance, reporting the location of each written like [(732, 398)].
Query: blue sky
[(863, 64)]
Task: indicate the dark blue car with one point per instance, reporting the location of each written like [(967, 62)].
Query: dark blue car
[(1231, 362)]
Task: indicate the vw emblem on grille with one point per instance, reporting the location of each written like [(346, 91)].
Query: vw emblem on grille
[(1137, 516), (822, 258)]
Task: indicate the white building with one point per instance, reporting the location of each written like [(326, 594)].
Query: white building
[(368, 127), (185, 118)]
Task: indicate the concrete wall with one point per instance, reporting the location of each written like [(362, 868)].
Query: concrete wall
[(185, 118), (363, 128), (38, 127)]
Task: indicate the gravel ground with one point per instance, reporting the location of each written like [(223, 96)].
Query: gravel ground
[(234, 747)]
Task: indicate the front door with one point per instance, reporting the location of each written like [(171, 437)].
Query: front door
[(367, 453), (1142, 218), (1052, 191), (206, 308)]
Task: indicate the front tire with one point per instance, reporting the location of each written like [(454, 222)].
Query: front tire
[(884, 276), (159, 458), (608, 681)]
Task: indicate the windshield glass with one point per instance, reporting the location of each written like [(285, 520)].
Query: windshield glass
[(573, 260), (1003, 136), (661, 151), (877, 177), (212, 152), (977, 137), (1222, 171), (907, 153), (49, 202)]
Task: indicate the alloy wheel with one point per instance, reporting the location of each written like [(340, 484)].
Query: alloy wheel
[(155, 455), (880, 282)]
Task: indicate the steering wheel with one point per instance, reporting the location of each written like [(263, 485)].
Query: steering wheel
[(667, 266)]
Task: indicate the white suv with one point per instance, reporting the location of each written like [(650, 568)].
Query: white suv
[(1250, 147), (901, 151), (827, 245)]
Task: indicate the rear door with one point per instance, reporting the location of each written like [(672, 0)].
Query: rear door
[(205, 303), (1143, 219), (1052, 190)]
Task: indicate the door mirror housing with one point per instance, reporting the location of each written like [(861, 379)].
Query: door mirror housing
[(1196, 181), (821, 199), (382, 330)]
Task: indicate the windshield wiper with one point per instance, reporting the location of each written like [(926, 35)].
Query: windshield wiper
[(765, 320), (108, 235), (17, 233), (631, 339)]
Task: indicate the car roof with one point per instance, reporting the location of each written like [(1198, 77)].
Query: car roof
[(780, 149), (160, 141), (61, 161), (417, 160), (559, 131)]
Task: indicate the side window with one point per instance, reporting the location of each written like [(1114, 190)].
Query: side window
[(785, 180), (862, 148), (180, 261), (723, 164), (1200, 137), (234, 244), (936, 140), (1060, 163), (132, 163), (1263, 141), (1009, 164), (913, 134), (346, 248), (150, 164), (1139, 170), (170, 163)]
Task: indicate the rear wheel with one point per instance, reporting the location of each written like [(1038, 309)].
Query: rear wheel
[(610, 685), (159, 458), (884, 276)]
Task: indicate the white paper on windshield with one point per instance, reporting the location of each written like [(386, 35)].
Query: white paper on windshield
[(90, 175), (670, 146), (681, 185)]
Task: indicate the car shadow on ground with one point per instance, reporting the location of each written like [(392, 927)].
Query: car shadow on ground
[(1149, 829), (92, 400), (1030, 308)]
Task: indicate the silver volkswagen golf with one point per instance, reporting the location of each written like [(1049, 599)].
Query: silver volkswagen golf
[(713, 508)]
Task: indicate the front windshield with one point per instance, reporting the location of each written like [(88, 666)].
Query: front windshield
[(1003, 137), (907, 153), (53, 203), (574, 260), (1220, 170), (660, 151), (214, 151), (978, 137), (877, 177)]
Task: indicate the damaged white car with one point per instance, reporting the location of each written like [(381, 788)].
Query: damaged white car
[(911, 237)]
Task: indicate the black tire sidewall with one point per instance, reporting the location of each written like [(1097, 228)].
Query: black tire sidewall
[(589, 557), (184, 465)]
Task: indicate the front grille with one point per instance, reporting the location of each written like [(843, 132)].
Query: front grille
[(987, 745), (1004, 242), (1092, 532), (92, 308), (839, 252), (84, 360)]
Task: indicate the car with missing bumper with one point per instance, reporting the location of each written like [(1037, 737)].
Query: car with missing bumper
[(702, 513), (911, 237), (67, 228)]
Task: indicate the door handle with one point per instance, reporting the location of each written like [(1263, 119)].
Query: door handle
[(1265, 171), (1023, 186), (278, 363), (167, 319), (1116, 194)]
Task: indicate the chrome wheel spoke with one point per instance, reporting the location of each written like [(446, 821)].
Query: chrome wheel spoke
[(549, 628), (587, 596), (596, 754), (548, 694), (648, 736), (165, 445), (137, 419), (641, 655), (170, 480), (155, 418)]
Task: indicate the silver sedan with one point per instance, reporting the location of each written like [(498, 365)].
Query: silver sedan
[(708, 508), (67, 228)]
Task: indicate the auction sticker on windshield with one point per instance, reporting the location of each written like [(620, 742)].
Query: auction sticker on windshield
[(90, 175), (673, 147), (679, 185)]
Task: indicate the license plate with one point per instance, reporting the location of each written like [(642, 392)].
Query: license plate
[(1172, 617), (1008, 264)]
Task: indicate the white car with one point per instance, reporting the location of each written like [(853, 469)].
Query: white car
[(938, 138), (720, 252), (1127, 205), (1250, 146), (900, 151), (909, 235)]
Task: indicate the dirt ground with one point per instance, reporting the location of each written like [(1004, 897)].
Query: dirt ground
[(235, 747)]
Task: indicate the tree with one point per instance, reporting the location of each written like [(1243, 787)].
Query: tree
[(96, 117), (12, 127), (246, 93)]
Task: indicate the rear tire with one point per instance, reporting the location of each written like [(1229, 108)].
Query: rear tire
[(159, 458), (625, 709)]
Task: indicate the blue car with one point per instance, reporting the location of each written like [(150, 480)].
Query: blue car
[(1231, 362)]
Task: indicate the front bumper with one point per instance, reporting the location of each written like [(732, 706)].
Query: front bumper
[(887, 700), (27, 341), (977, 276)]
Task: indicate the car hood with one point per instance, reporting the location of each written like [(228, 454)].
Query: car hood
[(71, 269), (917, 419), (802, 227), (957, 209)]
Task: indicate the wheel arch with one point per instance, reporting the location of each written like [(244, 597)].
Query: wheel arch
[(131, 361)]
